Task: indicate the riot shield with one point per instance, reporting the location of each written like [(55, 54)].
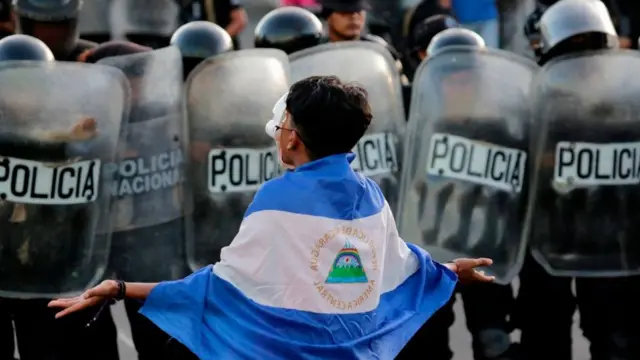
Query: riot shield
[(149, 195), (584, 208), (55, 134), (463, 188), (230, 98), (370, 65)]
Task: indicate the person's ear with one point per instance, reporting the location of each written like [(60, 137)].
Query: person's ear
[(293, 141)]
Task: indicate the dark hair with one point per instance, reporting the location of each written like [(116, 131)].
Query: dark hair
[(329, 116)]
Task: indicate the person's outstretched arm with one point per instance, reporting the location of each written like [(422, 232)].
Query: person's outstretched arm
[(138, 291), (106, 290)]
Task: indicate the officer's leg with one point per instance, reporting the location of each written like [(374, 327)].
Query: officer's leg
[(544, 312), (7, 347), (609, 317), (433, 337), (36, 330), (151, 342), (42, 337), (487, 308)]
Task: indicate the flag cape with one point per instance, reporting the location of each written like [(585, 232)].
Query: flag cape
[(316, 271)]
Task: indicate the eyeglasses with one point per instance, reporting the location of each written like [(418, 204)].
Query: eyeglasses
[(283, 118), (278, 127)]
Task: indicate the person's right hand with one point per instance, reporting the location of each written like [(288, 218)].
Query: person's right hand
[(107, 289)]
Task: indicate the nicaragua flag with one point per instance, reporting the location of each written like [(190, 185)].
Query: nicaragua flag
[(316, 271)]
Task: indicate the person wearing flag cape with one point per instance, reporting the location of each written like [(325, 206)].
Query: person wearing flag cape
[(317, 269)]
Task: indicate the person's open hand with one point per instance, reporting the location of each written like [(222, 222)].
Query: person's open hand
[(466, 270), (106, 290)]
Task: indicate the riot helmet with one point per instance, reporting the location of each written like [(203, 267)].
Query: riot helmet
[(55, 22), (199, 40), (425, 31), (289, 29), (24, 47), (570, 26), (454, 37), (458, 79)]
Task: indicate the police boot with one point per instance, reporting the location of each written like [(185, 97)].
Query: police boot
[(494, 344)]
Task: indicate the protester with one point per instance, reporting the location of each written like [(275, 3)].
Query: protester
[(353, 280)]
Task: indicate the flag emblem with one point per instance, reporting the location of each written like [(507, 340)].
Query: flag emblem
[(347, 267)]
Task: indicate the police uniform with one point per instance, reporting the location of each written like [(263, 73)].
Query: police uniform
[(487, 306), (546, 304), (39, 334), (30, 14)]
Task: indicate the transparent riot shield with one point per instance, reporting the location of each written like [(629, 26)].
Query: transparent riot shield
[(149, 196), (584, 209), (463, 188), (230, 98), (370, 65), (55, 134)]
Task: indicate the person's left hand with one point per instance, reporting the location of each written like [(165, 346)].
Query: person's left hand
[(465, 269)]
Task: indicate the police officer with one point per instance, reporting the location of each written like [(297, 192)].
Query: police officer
[(199, 40), (487, 306), (418, 41), (546, 304), (416, 48), (289, 29), (39, 335), (16, 47), (55, 22)]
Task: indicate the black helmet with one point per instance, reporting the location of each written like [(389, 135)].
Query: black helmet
[(454, 37), (576, 25), (424, 32), (199, 40), (24, 47), (289, 29), (60, 14)]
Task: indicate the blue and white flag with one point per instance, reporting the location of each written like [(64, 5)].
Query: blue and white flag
[(316, 271)]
